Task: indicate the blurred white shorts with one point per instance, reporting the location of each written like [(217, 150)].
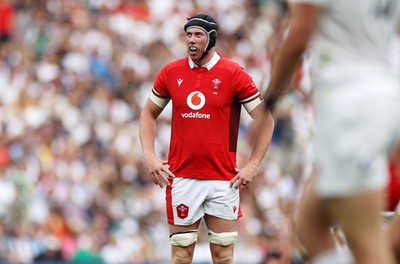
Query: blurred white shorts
[(188, 200), (356, 127)]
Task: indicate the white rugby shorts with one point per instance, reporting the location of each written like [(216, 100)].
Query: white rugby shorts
[(188, 200), (356, 126)]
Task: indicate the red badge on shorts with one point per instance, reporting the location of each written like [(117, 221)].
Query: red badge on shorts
[(182, 211)]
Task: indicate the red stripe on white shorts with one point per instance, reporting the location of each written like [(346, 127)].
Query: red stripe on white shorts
[(168, 202)]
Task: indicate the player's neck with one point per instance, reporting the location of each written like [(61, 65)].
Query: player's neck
[(206, 59)]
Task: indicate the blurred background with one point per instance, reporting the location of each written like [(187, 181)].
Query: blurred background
[(74, 76)]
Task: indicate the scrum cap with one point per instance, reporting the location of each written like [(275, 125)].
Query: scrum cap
[(207, 24)]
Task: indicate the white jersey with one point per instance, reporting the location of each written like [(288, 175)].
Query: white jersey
[(356, 94), (353, 35)]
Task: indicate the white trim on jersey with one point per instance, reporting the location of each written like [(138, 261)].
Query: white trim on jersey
[(252, 104), (243, 101), (161, 102), (214, 60)]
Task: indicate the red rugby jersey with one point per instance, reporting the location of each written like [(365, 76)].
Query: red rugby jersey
[(206, 106)]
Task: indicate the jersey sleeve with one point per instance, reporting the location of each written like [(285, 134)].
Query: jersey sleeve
[(247, 92), (160, 94)]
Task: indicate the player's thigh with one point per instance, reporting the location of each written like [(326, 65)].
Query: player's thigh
[(221, 216), (360, 218), (310, 210), (311, 223), (361, 221), (183, 228), (183, 240), (394, 235), (219, 225), (222, 235)]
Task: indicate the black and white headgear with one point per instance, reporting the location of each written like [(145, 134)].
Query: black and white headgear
[(207, 24)]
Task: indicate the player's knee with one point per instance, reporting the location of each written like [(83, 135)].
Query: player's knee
[(182, 255), (222, 239), (223, 255), (183, 239)]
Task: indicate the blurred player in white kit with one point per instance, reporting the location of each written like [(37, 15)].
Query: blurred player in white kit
[(357, 122)]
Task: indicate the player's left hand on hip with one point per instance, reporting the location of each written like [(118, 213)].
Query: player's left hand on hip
[(244, 177)]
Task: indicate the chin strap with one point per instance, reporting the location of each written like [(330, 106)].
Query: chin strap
[(202, 56)]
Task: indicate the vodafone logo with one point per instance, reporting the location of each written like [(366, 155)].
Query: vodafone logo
[(196, 100)]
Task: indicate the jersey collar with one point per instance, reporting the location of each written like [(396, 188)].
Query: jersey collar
[(208, 65)]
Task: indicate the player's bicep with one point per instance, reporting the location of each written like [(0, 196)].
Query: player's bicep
[(250, 106), (151, 109), (158, 98), (258, 112)]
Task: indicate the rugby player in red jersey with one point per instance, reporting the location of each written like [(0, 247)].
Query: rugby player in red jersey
[(207, 94)]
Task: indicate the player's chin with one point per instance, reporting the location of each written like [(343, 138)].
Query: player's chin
[(195, 56)]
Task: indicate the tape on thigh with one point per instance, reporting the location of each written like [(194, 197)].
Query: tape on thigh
[(223, 239), (183, 239)]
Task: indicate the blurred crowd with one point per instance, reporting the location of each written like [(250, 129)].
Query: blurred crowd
[(74, 75)]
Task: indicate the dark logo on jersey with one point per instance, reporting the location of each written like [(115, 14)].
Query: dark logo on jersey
[(182, 211)]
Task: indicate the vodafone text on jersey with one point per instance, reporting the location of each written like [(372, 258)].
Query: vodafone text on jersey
[(196, 100)]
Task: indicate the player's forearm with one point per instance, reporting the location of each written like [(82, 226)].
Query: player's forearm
[(262, 140), (285, 64), (147, 134), (303, 24)]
